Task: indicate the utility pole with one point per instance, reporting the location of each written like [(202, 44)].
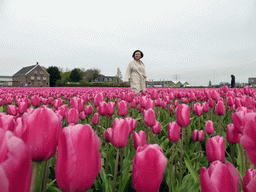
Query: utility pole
[(176, 77)]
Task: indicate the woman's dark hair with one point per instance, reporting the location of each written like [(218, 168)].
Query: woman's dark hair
[(232, 76), (137, 51)]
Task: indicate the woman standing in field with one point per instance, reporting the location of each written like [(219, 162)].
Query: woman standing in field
[(136, 70)]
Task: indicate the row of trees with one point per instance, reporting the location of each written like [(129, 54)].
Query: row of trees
[(60, 78)]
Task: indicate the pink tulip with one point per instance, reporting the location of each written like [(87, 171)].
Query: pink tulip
[(249, 180), (78, 158), (82, 115), (15, 163), (139, 139), (156, 129), (149, 117), (158, 102), (1, 102), (238, 121), (209, 128), (110, 108), (194, 136), (7, 122), (247, 140), (103, 108), (247, 90), (133, 103), (97, 99), (130, 96), (198, 109), (72, 116), (122, 108), (95, 119), (35, 101), (220, 108), (219, 177), (173, 131), (154, 94), (22, 107), (148, 168), (215, 149), (211, 102), (120, 133), (183, 115), (143, 102), (237, 102), (88, 110), (108, 134), (200, 135), (176, 103), (232, 135), (149, 104), (230, 101), (12, 110), (205, 107)]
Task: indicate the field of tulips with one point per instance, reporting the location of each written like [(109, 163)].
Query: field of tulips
[(109, 139)]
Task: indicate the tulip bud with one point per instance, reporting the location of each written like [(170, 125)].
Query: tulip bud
[(230, 101), (108, 134), (198, 109), (173, 131), (209, 128), (35, 101), (15, 163), (149, 104), (211, 102), (205, 107), (154, 94), (158, 102), (220, 108), (156, 129), (122, 108), (133, 103), (82, 115), (12, 110), (219, 177), (139, 139), (176, 103), (103, 108), (95, 119), (183, 115), (72, 116), (232, 135), (120, 134), (88, 110), (23, 106), (149, 117), (7, 122), (194, 136), (148, 168), (111, 108), (78, 158), (249, 180), (215, 149), (200, 135)]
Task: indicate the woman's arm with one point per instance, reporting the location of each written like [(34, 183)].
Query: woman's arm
[(128, 73)]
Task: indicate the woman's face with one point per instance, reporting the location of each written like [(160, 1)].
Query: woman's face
[(137, 55)]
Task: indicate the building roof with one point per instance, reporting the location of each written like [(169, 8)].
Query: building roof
[(24, 70)]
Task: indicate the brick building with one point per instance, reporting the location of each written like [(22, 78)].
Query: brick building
[(31, 76)]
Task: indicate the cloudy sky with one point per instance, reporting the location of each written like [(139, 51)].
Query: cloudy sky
[(197, 40)]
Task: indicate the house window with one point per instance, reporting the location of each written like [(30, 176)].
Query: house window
[(32, 77), (46, 83), (44, 78), (38, 78), (15, 79), (29, 83), (35, 72), (105, 79), (110, 79), (41, 72)]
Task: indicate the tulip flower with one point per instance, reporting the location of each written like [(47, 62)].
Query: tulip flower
[(149, 104), (173, 131), (247, 140), (23, 106), (97, 99), (156, 129), (211, 102), (220, 108), (95, 118), (209, 128), (183, 115), (149, 117), (72, 116), (232, 135), (143, 102), (205, 107), (133, 103), (78, 158), (194, 136), (176, 103), (82, 115), (200, 135), (249, 180), (122, 108), (158, 102), (130, 96), (154, 94), (148, 168), (230, 101), (1, 102), (88, 110), (120, 133), (102, 108), (110, 108), (15, 163), (7, 122), (35, 101), (12, 110), (215, 149), (219, 177), (108, 134), (139, 139)]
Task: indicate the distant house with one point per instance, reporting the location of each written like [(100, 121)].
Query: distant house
[(109, 79), (167, 83), (252, 81), (5, 81), (31, 76)]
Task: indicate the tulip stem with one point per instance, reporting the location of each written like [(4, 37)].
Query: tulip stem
[(246, 161), (35, 168), (101, 124), (150, 129), (106, 163), (220, 132), (122, 157), (116, 166), (173, 150), (181, 152), (242, 156), (198, 122), (46, 170), (156, 138), (232, 154), (199, 144)]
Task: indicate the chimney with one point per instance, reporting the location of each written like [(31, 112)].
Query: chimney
[(36, 63)]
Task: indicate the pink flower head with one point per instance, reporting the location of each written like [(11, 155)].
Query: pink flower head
[(183, 115), (215, 149), (122, 108), (232, 135), (120, 134), (149, 117), (72, 116), (108, 134), (173, 131), (220, 108), (95, 118), (249, 180), (139, 139), (209, 128), (219, 177), (156, 129)]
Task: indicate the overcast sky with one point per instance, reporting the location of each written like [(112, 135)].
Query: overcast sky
[(198, 40)]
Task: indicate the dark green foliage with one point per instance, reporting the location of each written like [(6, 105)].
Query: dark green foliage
[(54, 75), (76, 75)]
